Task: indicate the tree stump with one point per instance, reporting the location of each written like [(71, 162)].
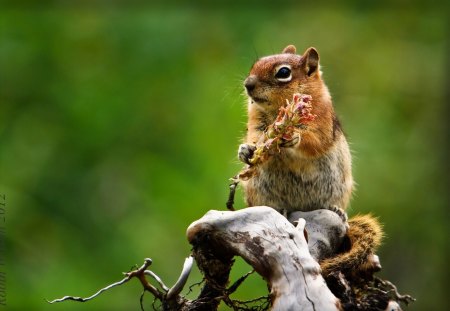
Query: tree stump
[(274, 247)]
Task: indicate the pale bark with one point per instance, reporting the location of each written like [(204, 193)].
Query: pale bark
[(276, 249)]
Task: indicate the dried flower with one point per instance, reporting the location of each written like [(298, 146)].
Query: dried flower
[(290, 119)]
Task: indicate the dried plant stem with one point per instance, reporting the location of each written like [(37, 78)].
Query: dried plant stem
[(291, 119)]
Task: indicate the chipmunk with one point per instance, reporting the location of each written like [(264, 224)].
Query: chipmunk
[(313, 170)]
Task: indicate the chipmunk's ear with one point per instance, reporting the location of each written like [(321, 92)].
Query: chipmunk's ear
[(311, 61), (290, 49)]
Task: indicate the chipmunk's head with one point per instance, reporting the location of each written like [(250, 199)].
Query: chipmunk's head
[(275, 78)]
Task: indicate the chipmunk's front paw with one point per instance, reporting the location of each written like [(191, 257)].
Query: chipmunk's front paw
[(288, 143), (245, 152)]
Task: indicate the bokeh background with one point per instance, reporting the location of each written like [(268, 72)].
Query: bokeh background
[(119, 125)]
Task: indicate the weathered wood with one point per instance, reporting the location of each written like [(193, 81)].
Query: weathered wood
[(275, 248), (285, 251), (326, 231)]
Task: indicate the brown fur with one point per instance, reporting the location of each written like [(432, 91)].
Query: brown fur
[(315, 172), (364, 236)]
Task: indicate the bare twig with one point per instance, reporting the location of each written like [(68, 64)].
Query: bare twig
[(392, 288), (262, 304), (165, 296), (191, 287), (179, 284), (238, 283), (234, 182), (139, 273), (141, 300), (157, 279), (80, 299)]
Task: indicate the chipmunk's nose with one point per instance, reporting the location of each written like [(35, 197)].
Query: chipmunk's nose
[(250, 83)]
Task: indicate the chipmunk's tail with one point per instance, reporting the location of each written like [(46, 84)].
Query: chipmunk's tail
[(364, 236)]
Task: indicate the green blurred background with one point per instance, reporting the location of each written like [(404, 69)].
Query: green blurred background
[(119, 126)]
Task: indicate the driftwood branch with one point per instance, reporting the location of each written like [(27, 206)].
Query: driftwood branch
[(274, 248), (284, 251), (169, 296)]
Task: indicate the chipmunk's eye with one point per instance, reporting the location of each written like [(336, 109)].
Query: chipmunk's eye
[(284, 74)]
